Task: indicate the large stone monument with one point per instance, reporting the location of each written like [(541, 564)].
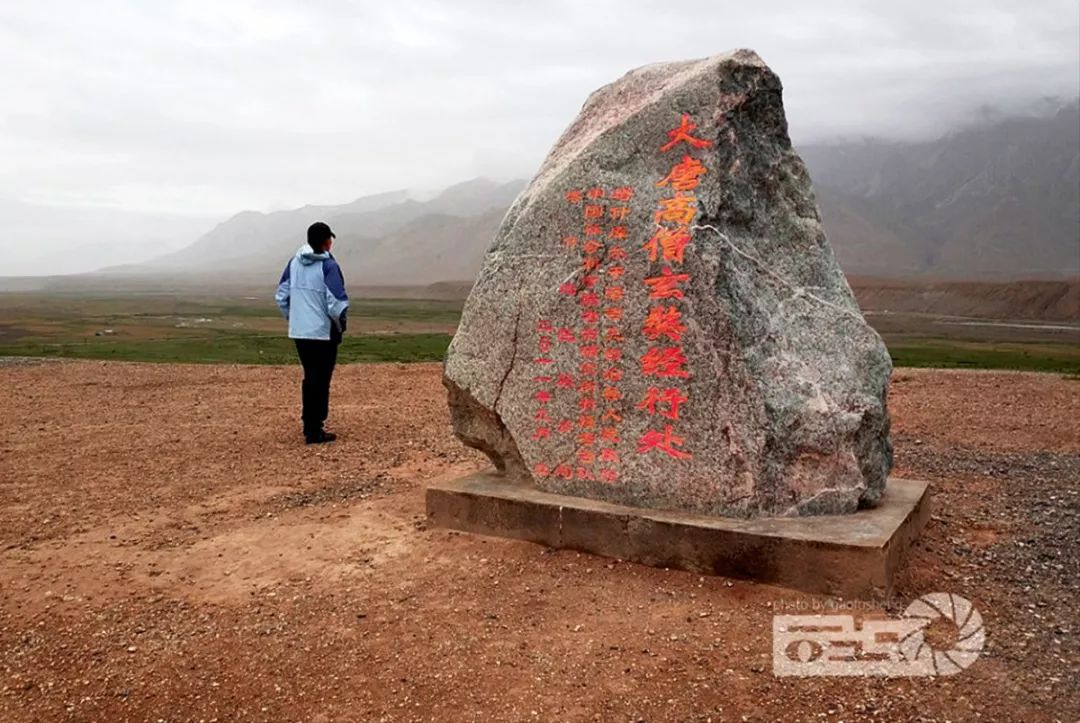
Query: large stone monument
[(661, 324)]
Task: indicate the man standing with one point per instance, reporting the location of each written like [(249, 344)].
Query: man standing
[(311, 296)]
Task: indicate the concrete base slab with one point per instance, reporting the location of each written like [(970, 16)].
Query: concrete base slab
[(854, 556)]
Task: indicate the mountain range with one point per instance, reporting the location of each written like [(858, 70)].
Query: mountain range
[(998, 201), (388, 239), (993, 202)]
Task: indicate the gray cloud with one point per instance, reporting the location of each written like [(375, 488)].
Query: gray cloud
[(205, 108)]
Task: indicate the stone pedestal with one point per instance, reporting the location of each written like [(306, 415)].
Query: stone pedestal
[(853, 555)]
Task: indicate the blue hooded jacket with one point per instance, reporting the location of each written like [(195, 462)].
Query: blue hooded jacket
[(311, 295)]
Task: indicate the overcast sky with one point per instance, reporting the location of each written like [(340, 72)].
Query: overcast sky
[(202, 108)]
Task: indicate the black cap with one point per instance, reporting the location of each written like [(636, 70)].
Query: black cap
[(317, 235)]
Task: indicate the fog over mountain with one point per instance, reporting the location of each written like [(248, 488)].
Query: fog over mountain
[(41, 240), (998, 200), (149, 114)]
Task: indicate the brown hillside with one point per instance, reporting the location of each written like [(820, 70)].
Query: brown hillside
[(1031, 300)]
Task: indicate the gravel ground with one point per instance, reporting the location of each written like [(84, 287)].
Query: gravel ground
[(170, 551)]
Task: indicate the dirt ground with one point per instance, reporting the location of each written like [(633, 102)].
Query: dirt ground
[(169, 550)]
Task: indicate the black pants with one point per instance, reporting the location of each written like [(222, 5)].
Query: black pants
[(318, 359)]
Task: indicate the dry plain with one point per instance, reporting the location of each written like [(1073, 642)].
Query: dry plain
[(169, 551)]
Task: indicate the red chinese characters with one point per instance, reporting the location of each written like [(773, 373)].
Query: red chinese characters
[(599, 293), (684, 176), (665, 402), (667, 361), (664, 360), (545, 383), (664, 321), (667, 442), (599, 290), (682, 135), (667, 285), (552, 383), (668, 244)]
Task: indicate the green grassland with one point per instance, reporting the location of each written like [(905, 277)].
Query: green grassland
[(213, 330), (237, 349), (248, 330), (950, 354)]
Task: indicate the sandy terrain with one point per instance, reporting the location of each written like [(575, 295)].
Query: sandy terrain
[(170, 551)]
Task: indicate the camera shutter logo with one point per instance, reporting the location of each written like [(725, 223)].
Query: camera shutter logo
[(970, 637), (832, 645)]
